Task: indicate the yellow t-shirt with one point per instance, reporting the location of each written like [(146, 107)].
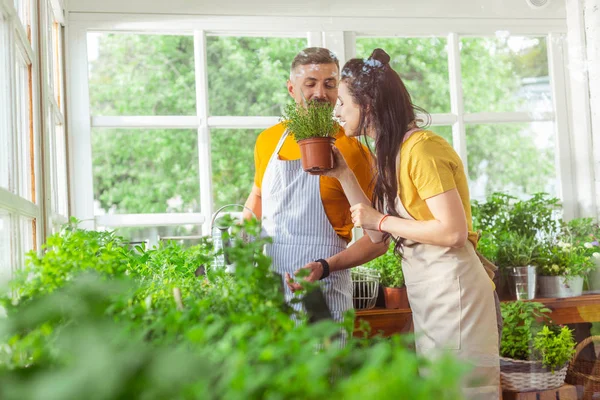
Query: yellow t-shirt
[(429, 166), (335, 203)]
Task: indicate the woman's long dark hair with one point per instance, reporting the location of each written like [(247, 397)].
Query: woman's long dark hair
[(387, 109)]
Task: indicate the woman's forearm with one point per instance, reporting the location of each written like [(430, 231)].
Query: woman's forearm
[(356, 195), (429, 232)]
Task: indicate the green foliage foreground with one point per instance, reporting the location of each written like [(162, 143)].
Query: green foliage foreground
[(95, 319)]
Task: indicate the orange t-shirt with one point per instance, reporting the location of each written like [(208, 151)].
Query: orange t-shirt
[(335, 203)]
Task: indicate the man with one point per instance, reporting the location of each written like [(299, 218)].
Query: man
[(308, 216)]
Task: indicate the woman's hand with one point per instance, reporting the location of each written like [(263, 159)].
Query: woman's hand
[(365, 216)]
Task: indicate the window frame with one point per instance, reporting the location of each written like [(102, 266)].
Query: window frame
[(336, 33)]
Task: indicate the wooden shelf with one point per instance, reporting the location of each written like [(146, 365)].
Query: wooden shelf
[(569, 310)]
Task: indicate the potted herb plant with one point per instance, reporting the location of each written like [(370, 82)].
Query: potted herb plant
[(534, 351), (314, 129), (562, 267), (516, 256), (585, 234), (391, 279)]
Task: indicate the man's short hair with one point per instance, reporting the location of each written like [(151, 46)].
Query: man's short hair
[(315, 55)]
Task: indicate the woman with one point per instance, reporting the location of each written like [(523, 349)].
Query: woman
[(422, 186)]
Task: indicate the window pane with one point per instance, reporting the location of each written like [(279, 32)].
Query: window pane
[(248, 75), (505, 74), (61, 206), (232, 165), (23, 8), (23, 130), (145, 171), (5, 246), (6, 133), (515, 158), (422, 63), (443, 131), (27, 237), (141, 74)]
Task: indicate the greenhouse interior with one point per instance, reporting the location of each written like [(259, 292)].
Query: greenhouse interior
[(300, 199)]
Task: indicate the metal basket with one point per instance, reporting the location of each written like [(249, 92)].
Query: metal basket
[(365, 283)]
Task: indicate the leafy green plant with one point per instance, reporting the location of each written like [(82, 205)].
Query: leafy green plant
[(556, 346), (152, 329), (389, 267), (528, 218), (529, 334), (563, 259), (515, 250), (310, 121), (583, 233)]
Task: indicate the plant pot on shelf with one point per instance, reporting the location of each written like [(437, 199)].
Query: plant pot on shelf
[(525, 376), (395, 297), (316, 154), (501, 281), (594, 276), (560, 286), (523, 282)]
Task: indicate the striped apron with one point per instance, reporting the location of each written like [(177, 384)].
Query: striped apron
[(293, 216)]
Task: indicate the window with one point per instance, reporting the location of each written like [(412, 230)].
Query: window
[(144, 87)]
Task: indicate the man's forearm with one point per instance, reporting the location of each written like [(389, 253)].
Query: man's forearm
[(362, 251)]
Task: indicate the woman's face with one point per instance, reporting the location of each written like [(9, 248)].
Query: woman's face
[(347, 111)]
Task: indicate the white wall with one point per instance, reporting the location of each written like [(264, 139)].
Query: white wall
[(320, 8)]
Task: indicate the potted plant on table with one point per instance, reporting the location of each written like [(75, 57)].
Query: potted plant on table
[(561, 268), (534, 351), (516, 257), (585, 234), (391, 278), (314, 128)]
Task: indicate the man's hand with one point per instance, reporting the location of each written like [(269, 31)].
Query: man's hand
[(315, 273)]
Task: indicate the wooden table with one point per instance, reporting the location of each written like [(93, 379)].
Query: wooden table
[(570, 310)]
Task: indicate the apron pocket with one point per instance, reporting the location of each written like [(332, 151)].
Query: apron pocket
[(436, 311)]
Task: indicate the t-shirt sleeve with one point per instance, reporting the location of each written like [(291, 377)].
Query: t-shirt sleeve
[(432, 166), (258, 169)]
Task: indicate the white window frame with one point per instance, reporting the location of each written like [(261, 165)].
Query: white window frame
[(21, 50), (336, 33)]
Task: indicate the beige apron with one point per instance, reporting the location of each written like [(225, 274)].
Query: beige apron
[(452, 302)]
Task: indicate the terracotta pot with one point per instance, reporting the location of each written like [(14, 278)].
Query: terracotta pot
[(395, 297), (316, 154)]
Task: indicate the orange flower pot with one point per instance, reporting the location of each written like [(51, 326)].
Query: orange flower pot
[(395, 297), (316, 154)]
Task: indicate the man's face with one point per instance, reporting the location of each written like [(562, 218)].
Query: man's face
[(317, 82)]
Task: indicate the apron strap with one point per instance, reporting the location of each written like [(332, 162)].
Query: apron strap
[(281, 142)]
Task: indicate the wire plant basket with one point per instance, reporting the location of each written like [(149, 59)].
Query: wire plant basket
[(365, 283)]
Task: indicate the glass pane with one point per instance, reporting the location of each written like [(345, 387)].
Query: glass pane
[(443, 131), (514, 158), (25, 171), (5, 246), (505, 74), (422, 63), (61, 206), (6, 132), (23, 8), (27, 236), (145, 171), (141, 74), (248, 75), (232, 165)]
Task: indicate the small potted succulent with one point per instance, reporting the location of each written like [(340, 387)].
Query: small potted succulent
[(314, 128), (391, 279), (534, 351)]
